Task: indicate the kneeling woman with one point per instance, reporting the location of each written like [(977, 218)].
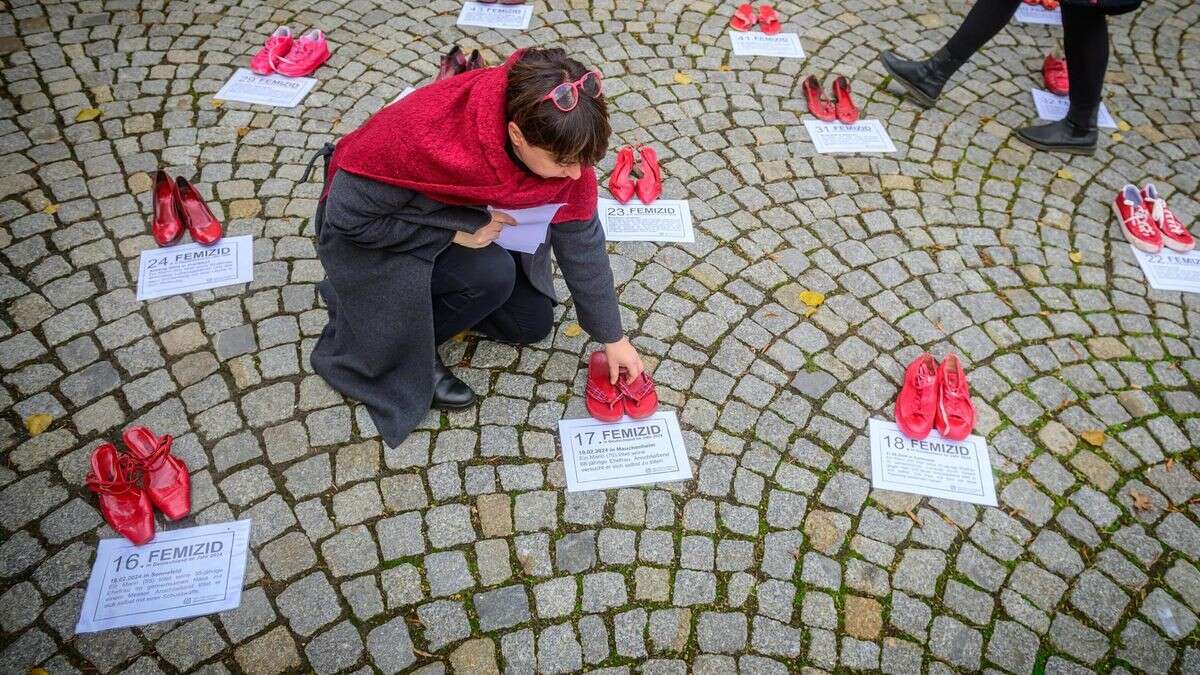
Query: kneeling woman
[(407, 240)]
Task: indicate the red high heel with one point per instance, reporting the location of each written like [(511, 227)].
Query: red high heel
[(649, 184), (847, 112), (165, 475), (619, 182), (167, 225), (201, 223), (125, 505), (817, 105)]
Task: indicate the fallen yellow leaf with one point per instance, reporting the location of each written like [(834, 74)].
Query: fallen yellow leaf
[(1065, 174), (242, 131), (36, 424), (1123, 125), (38, 671), (572, 330), (460, 337), (1140, 501), (50, 209), (682, 78), (217, 103), (812, 298), (725, 68), (1075, 256), (87, 115), (1096, 438), (1116, 137)]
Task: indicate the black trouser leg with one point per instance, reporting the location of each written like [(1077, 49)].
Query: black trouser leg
[(526, 317), (1085, 44), (467, 285), (985, 19)]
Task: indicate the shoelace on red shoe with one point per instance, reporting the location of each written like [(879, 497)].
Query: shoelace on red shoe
[(155, 459), (116, 486), (1163, 215), (1139, 218)]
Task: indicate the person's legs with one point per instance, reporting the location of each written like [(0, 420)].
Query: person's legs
[(985, 19), (467, 285), (526, 317), (1085, 43)]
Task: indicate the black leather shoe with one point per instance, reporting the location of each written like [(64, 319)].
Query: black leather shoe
[(922, 79), (1060, 136), (448, 390)]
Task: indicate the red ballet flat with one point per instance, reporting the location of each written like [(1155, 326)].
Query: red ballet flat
[(649, 184), (619, 182), (125, 505), (847, 112), (639, 396), (166, 476), (821, 108), (603, 399)]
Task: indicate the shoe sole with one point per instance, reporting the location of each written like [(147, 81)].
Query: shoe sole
[(1070, 150), (916, 94), (452, 406), (1133, 241)]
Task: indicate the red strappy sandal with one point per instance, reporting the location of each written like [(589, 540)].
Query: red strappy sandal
[(602, 397), (768, 20), (167, 482), (640, 397), (743, 17)]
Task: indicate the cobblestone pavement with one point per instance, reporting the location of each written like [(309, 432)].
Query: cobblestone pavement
[(460, 550)]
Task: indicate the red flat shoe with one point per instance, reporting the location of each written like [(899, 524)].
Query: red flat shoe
[(125, 505), (1050, 5), (847, 112), (743, 17), (916, 406), (201, 223), (768, 20), (817, 105), (1175, 235), (639, 397), (649, 184), (955, 412), (165, 475), (603, 399), (1054, 74), (619, 182), (167, 225)]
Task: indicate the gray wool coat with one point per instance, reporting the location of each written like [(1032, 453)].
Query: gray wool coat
[(378, 243)]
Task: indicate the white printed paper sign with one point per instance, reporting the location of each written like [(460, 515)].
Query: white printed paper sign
[(495, 15), (1027, 13), (275, 90), (192, 267), (1053, 108), (862, 136), (597, 455), (180, 573), (754, 43), (934, 466), (664, 220), (1169, 270)]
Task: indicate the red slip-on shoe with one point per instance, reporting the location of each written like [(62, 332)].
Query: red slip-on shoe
[(768, 20), (201, 223), (916, 406), (1050, 5), (743, 17), (168, 224), (125, 505), (639, 396), (1135, 220), (817, 105), (847, 112), (649, 184), (602, 398), (955, 412), (619, 182), (1054, 74), (165, 476), (276, 47), (1174, 235), (307, 54)]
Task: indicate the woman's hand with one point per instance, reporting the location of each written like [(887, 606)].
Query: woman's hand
[(486, 234), (622, 356)]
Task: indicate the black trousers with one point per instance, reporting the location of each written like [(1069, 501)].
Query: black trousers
[(486, 289), (1085, 45)]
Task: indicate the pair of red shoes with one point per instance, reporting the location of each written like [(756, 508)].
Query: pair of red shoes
[(456, 61), (1054, 74), (607, 402), (767, 19), (133, 484), (935, 395), (842, 107), (649, 184), (290, 57), (178, 206), (1050, 5), (1148, 223)]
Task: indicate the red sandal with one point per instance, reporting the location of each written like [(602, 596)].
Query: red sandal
[(602, 397), (640, 397), (743, 18), (768, 20), (167, 482)]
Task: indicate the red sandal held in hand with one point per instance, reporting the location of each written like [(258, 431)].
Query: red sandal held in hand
[(603, 398), (640, 397), (166, 478)]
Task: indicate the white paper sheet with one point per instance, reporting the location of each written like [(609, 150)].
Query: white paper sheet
[(862, 136), (406, 92), (936, 467), (495, 15), (664, 220), (1051, 107), (1027, 13), (274, 90), (1169, 270), (597, 456), (180, 573), (530, 231), (755, 43), (192, 267)]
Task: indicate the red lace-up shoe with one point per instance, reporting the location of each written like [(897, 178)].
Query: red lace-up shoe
[(1054, 73), (1135, 220), (955, 412), (821, 108), (1175, 235), (603, 399), (916, 406), (307, 54), (847, 112), (649, 183), (125, 505), (276, 47), (165, 476), (201, 223), (619, 182), (168, 224), (639, 396)]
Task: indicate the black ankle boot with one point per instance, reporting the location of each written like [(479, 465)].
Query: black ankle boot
[(923, 79), (448, 390), (1061, 136)]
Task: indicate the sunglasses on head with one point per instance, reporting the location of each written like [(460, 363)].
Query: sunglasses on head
[(566, 95)]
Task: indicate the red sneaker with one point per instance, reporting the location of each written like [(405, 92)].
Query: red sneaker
[(124, 504), (639, 397), (916, 406), (743, 17), (955, 412), (1135, 220), (619, 182), (768, 20), (1175, 235), (649, 184), (1054, 74), (168, 224), (276, 47), (847, 112), (817, 105), (201, 223), (603, 398), (165, 475), (307, 54)]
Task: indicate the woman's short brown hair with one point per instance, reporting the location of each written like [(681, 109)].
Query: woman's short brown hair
[(576, 137)]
